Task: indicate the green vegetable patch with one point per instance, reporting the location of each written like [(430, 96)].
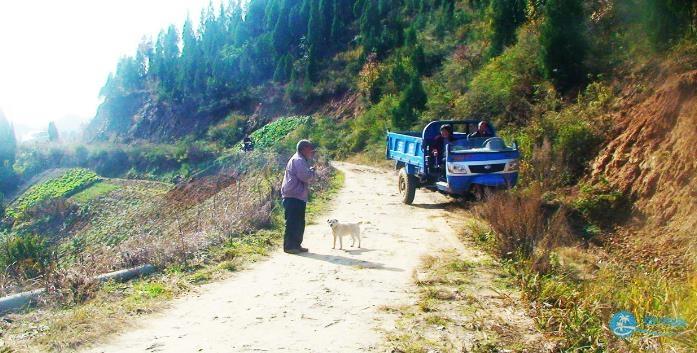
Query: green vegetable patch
[(274, 132), (73, 181)]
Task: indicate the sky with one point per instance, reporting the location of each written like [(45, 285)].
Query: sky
[(56, 55)]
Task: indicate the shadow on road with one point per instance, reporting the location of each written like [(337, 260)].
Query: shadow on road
[(432, 206), (347, 261), (356, 251)]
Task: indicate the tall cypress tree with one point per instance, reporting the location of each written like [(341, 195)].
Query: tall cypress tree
[(412, 101), (8, 142), (315, 33), (563, 43), (337, 25), (166, 57), (326, 11), (188, 80), (505, 16), (311, 65), (52, 132), (418, 59), (282, 32), (667, 20), (370, 26), (283, 69)]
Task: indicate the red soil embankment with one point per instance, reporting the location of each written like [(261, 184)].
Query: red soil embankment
[(653, 159)]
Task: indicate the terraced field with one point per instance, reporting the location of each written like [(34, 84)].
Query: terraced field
[(112, 211)]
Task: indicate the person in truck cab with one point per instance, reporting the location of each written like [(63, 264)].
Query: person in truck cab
[(439, 143), (482, 130)]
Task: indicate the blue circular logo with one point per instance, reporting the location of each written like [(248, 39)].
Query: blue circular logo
[(623, 324)]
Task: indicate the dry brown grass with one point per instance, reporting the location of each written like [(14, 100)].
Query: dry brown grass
[(196, 243), (237, 199), (522, 223)]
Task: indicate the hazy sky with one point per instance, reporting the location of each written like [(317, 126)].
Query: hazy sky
[(55, 55)]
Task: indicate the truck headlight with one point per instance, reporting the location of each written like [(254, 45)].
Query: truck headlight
[(513, 166), (456, 168)]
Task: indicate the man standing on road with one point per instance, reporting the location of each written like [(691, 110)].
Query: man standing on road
[(294, 191)]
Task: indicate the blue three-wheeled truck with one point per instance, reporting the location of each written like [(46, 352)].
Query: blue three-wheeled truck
[(470, 160)]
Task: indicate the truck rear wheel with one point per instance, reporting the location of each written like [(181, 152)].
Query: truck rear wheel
[(407, 186)]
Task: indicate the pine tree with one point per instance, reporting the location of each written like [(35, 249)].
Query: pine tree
[(505, 16), (563, 43), (283, 69), (311, 65), (403, 116), (255, 17), (416, 94), (299, 18), (143, 56), (337, 25), (410, 37), (370, 26), (271, 13), (667, 20), (52, 132), (411, 102), (8, 142), (358, 8), (282, 32), (314, 26), (418, 59), (326, 12), (166, 58), (188, 80), (399, 76), (292, 86)]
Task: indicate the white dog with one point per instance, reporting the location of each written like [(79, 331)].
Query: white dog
[(340, 230)]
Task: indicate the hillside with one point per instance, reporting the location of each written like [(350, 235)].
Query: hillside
[(651, 158)]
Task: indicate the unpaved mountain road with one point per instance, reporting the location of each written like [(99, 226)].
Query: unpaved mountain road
[(325, 301)]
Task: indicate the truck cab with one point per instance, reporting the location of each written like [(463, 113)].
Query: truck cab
[(463, 165)]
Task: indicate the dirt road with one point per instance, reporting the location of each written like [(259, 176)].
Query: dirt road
[(325, 301)]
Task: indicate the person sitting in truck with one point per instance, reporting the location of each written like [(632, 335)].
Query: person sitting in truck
[(439, 143), (482, 130)]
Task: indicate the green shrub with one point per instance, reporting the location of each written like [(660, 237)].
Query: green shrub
[(374, 123), (229, 132), (502, 89), (112, 162), (601, 205), (578, 144), (27, 255), (666, 22)]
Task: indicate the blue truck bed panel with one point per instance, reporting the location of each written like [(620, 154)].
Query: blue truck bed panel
[(403, 147)]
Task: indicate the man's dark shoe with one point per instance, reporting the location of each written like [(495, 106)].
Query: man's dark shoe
[(303, 249), (292, 251)]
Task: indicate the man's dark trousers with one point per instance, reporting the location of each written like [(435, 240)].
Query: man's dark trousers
[(295, 223)]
